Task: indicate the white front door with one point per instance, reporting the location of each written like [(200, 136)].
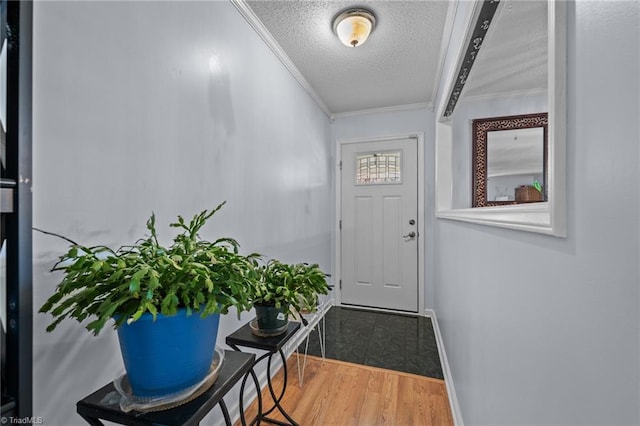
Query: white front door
[(379, 224)]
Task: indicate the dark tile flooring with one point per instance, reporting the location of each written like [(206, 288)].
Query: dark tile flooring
[(378, 339)]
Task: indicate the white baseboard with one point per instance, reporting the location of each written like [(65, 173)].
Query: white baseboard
[(446, 371), (382, 310)]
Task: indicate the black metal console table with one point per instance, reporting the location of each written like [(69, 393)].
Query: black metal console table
[(273, 345), (105, 402)]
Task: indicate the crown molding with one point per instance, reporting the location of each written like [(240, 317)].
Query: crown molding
[(275, 47), (444, 47), (406, 107)]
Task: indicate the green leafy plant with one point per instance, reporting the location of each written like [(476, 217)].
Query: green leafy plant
[(289, 286), (202, 276)]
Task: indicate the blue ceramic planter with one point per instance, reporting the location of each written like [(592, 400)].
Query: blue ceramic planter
[(169, 354)]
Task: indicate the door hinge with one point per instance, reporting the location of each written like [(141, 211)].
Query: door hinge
[(340, 164), (340, 284), (340, 224)]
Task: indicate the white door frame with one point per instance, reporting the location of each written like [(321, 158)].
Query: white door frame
[(421, 213)]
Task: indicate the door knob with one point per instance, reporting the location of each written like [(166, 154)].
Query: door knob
[(410, 235)]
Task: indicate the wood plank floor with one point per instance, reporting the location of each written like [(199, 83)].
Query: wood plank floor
[(344, 394)]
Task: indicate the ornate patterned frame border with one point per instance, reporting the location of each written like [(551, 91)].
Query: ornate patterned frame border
[(480, 128), (482, 24)]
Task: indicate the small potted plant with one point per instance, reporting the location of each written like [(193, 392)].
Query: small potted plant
[(165, 301), (280, 288)]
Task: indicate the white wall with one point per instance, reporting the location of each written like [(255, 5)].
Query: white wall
[(131, 117), (542, 330), (394, 123)]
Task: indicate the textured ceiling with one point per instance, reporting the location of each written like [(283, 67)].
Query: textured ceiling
[(398, 65), (513, 57)]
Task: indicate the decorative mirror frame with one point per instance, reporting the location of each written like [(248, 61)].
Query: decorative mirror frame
[(547, 217), (481, 127)]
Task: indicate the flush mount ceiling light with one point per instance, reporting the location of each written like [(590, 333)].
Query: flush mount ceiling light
[(353, 26)]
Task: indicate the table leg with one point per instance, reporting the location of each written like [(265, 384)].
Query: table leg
[(259, 393), (284, 387), (263, 415), (304, 362), (323, 338), (277, 400), (92, 421), (319, 327), (225, 413)]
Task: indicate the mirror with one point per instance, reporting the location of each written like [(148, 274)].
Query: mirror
[(510, 63), (509, 160)]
